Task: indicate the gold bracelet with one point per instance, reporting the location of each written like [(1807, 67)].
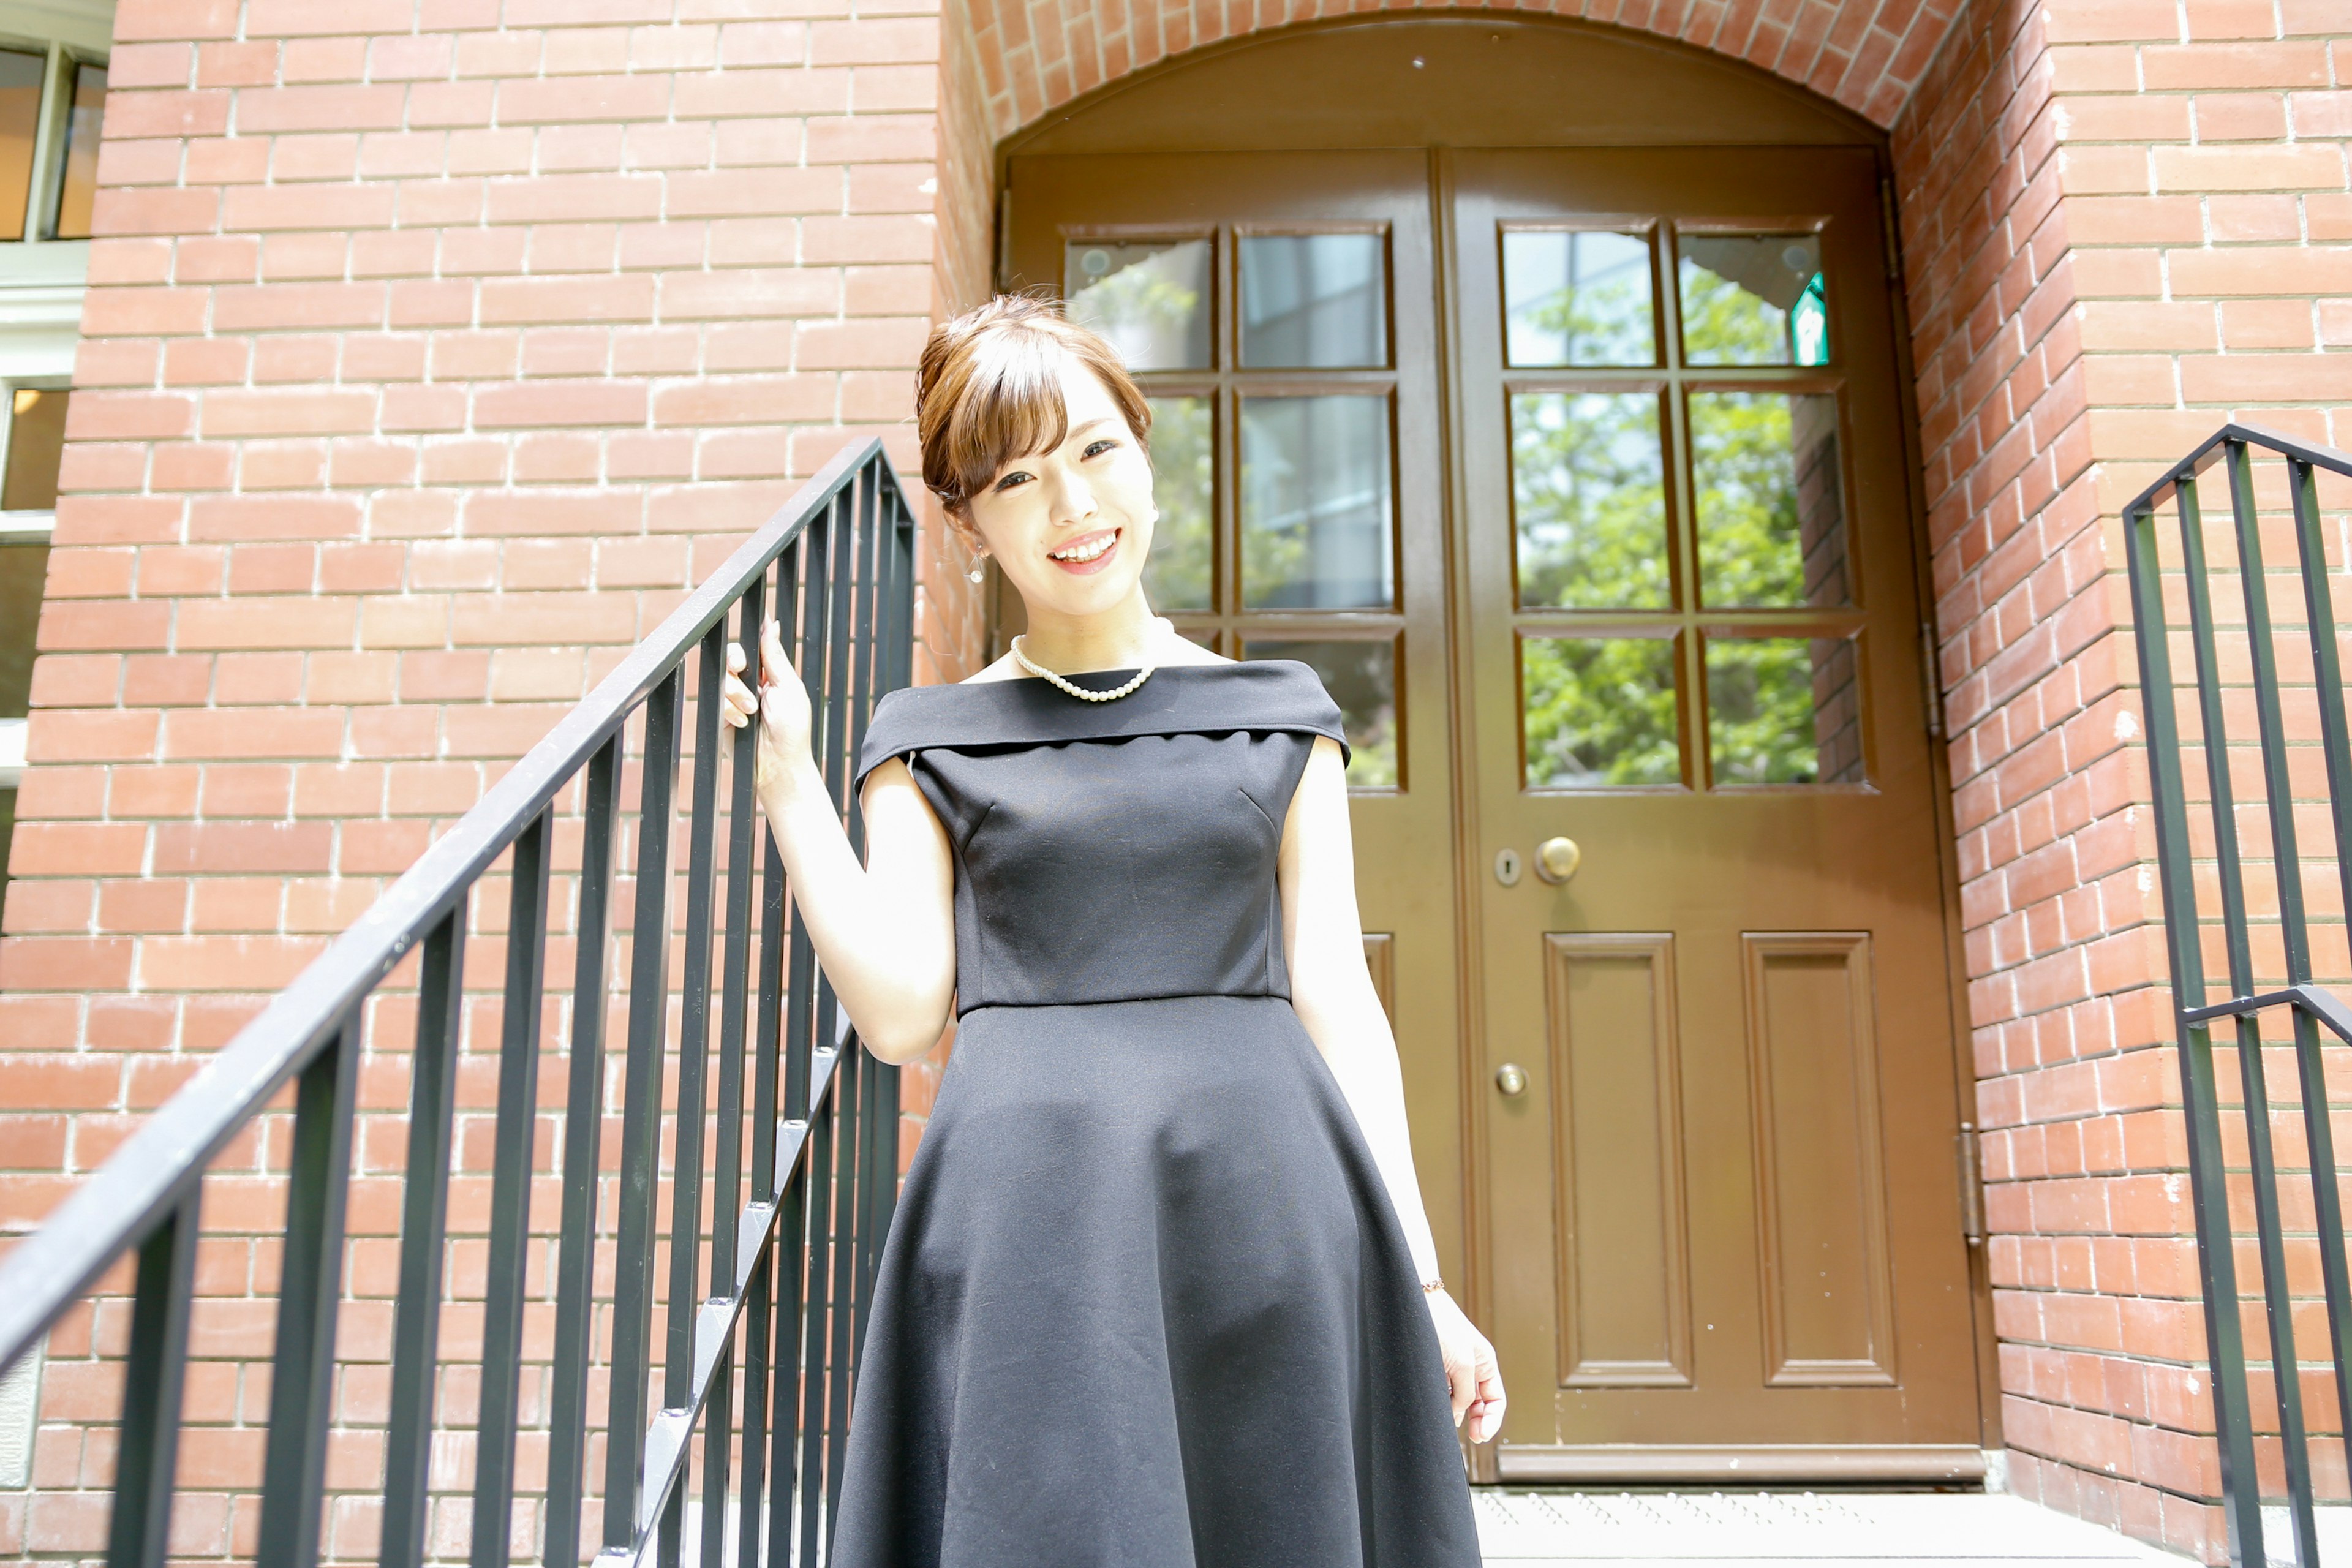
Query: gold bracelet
[(1431, 1286)]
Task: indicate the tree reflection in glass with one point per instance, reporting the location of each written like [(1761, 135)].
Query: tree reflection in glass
[(1177, 576), (1598, 712), (1783, 710), (1766, 485), (1577, 297), (1148, 300), (1589, 490)]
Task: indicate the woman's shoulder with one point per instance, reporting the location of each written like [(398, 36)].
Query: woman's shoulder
[(1228, 695)]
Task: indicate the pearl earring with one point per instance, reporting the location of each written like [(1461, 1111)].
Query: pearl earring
[(979, 572)]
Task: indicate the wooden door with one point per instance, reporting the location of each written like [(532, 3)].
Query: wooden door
[(1725, 1235), (1279, 310)]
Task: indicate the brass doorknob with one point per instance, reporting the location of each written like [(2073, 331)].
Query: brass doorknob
[(1557, 859), (1512, 1080)]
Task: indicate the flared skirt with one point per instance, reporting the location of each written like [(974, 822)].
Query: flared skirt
[(1145, 1304)]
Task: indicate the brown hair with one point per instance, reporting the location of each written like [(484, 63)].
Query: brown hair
[(989, 390)]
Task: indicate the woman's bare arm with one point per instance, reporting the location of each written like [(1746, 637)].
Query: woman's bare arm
[(884, 930), (1331, 989)]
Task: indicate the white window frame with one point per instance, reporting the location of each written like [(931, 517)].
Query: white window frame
[(20, 528), (65, 33)]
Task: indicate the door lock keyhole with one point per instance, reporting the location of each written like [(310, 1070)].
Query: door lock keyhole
[(1507, 867)]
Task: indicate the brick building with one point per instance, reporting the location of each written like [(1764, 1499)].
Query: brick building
[(429, 349)]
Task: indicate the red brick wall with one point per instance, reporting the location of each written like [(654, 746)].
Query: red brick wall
[(433, 349), (2122, 225)]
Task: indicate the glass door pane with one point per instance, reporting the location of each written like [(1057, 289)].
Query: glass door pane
[(1314, 301), (1149, 299), (1769, 496), (1181, 573), (1578, 296), (1588, 492), (1317, 519)]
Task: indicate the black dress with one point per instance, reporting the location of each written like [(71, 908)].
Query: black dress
[(1145, 1301)]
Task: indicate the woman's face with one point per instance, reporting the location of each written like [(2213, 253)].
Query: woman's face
[(1071, 527)]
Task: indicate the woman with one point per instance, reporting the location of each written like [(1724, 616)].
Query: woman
[(1159, 1290)]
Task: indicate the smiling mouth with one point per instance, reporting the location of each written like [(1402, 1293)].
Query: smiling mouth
[(1078, 552)]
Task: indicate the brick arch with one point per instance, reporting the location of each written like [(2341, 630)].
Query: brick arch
[(1034, 56)]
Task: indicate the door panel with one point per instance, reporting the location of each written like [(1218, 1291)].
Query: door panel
[(1813, 1063), (1690, 632), (1616, 1076)]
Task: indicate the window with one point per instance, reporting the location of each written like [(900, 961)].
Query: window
[(52, 106), (32, 442), (1678, 492)]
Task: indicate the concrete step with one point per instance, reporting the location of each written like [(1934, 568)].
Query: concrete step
[(1728, 1530)]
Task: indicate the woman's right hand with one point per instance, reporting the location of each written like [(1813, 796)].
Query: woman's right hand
[(782, 706)]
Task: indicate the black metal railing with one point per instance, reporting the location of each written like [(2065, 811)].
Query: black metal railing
[(759, 1273), (2269, 959)]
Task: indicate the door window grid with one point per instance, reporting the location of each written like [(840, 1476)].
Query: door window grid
[(1723, 539), (1274, 480)]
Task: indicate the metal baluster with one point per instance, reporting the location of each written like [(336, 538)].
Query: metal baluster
[(839, 1371), (518, 1118), (816, 1183), (686, 1233), (841, 1205), (744, 829), (807, 1273), (2286, 1367), (583, 1137), (2335, 743), (154, 1375), (302, 1365), (424, 1239), (779, 1401), (727, 1205), (872, 558), (751, 1493), (641, 1115), (791, 1260), (694, 1030), (829, 565), (2208, 1193), (845, 1270), (767, 1024)]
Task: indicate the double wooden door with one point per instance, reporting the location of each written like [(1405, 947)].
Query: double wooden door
[(1581, 478)]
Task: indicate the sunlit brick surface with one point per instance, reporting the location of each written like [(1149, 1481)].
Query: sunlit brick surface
[(2122, 225)]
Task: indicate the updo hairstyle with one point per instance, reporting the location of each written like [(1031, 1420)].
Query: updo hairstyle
[(989, 390)]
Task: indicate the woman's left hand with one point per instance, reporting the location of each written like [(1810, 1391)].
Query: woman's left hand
[(1476, 1381)]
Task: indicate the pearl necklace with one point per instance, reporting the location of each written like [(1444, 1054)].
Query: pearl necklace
[(1064, 683)]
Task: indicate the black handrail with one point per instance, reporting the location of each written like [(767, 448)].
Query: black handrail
[(2233, 446), (789, 1264)]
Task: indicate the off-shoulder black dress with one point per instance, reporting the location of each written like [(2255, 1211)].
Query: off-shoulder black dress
[(1145, 1301)]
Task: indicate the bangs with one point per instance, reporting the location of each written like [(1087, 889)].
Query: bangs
[(989, 391), (1011, 407)]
